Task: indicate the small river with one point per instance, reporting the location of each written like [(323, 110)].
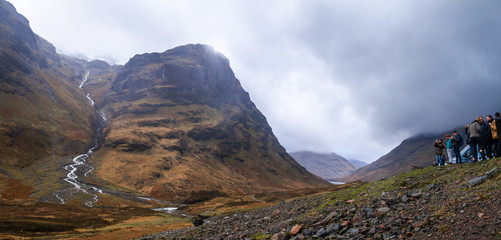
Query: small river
[(79, 168)]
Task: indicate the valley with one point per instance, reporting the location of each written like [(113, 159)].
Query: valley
[(170, 146)]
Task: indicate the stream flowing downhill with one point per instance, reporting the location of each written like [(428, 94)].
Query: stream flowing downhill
[(80, 168)]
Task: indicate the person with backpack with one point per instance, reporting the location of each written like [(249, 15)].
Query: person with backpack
[(457, 142), (439, 147)]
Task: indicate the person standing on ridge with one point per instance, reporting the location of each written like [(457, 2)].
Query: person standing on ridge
[(448, 145), (492, 134), (457, 142), (498, 130), (439, 147), (474, 132), (486, 140)]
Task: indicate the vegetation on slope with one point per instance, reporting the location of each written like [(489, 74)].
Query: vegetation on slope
[(433, 202)]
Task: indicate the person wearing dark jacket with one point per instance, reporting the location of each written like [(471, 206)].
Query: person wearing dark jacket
[(456, 144), (487, 136), (439, 149)]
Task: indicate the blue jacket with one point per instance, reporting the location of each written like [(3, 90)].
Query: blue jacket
[(449, 143)]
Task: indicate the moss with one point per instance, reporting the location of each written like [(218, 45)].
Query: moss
[(419, 180), (260, 236), (443, 228)]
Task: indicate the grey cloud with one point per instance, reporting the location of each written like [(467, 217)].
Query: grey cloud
[(352, 76), (437, 66)]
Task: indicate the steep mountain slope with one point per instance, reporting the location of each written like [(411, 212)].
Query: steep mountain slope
[(182, 128), (324, 165), (413, 152), (44, 116)]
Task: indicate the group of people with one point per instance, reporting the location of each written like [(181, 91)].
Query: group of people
[(484, 138)]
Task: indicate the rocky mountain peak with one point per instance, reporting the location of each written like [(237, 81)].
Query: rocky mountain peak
[(193, 73)]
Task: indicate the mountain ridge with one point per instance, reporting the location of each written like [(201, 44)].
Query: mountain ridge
[(325, 165)]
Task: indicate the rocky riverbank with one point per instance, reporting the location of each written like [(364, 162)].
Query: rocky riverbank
[(431, 203)]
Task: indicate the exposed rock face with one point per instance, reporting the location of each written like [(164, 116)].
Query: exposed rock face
[(182, 128), (327, 166)]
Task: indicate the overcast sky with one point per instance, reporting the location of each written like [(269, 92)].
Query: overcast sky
[(353, 77)]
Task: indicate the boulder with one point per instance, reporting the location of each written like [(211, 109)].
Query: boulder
[(476, 181), (197, 221), (491, 173)]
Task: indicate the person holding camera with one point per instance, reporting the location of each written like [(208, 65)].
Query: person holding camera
[(439, 149)]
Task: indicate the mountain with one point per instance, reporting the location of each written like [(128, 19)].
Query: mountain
[(176, 125), (44, 116), (324, 165), (357, 163), (182, 128), (417, 151)]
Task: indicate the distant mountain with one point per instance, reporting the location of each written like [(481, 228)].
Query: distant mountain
[(324, 165), (417, 151), (357, 163)]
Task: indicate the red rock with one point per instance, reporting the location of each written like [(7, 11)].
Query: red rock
[(345, 223), (295, 230), (350, 201), (480, 215), (409, 234)]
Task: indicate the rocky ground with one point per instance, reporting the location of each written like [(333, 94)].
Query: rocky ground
[(449, 202)]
